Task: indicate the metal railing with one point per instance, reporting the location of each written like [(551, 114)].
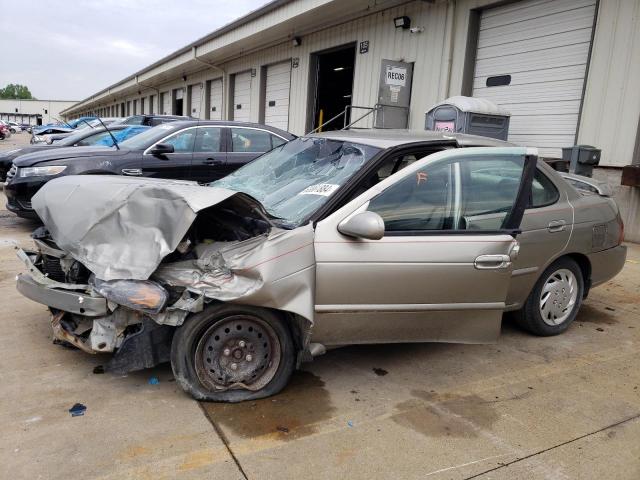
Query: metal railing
[(343, 114), (375, 110)]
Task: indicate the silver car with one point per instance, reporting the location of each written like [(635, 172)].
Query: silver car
[(331, 239)]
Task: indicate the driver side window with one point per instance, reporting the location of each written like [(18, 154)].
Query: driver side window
[(182, 141), (467, 194)]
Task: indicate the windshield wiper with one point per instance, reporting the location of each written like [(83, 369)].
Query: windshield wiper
[(115, 142)]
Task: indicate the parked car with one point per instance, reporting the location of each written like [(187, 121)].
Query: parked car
[(329, 240), (153, 120), (189, 150), (38, 132), (82, 138), (14, 127), (5, 132), (56, 137)]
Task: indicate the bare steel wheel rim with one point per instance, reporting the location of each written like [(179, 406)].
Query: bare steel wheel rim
[(559, 296), (239, 352)]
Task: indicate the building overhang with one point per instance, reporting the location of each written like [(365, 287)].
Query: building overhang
[(277, 22)]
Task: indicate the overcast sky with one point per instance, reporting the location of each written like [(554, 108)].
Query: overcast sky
[(69, 50)]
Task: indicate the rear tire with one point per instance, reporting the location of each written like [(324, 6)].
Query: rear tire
[(554, 302), (226, 345)]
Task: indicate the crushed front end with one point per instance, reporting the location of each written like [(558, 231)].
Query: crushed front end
[(95, 316)]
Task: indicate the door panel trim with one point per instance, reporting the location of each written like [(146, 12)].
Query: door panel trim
[(409, 307)]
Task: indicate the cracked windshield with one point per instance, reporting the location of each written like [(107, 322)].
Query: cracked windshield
[(294, 180)]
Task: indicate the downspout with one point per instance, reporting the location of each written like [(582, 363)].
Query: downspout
[(224, 79), (450, 29)]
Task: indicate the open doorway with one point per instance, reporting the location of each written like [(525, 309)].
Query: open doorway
[(332, 86), (178, 101)]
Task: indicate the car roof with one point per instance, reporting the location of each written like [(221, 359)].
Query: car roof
[(387, 138), (231, 123)]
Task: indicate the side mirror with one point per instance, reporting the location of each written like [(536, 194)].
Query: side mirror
[(367, 225), (161, 149)]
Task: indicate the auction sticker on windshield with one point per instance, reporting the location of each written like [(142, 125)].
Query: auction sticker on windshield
[(324, 189)]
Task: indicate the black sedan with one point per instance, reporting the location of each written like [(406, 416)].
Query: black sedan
[(200, 151), (84, 138)]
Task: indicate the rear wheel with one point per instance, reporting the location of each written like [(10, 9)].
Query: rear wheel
[(555, 300), (231, 353)]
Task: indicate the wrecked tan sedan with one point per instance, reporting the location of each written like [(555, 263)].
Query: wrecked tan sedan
[(328, 240)]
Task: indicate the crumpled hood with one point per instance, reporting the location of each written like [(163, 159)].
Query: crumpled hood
[(122, 227), (51, 154)]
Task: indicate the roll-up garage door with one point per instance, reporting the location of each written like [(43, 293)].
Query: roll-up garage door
[(166, 103), (215, 100), (242, 97), (278, 83), (196, 100), (532, 60)]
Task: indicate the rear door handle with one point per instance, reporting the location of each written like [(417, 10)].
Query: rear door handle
[(212, 161), (556, 226), (492, 262)]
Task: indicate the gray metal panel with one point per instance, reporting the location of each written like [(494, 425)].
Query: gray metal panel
[(544, 46), (394, 94)]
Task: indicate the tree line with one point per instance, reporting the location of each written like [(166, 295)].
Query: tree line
[(16, 91)]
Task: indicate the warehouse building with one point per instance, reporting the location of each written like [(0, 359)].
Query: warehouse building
[(566, 70), (33, 112)]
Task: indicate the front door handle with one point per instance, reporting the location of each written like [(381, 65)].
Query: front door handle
[(556, 226), (492, 262), (212, 161), (132, 171)]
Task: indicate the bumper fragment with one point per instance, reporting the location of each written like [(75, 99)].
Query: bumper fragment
[(66, 300)]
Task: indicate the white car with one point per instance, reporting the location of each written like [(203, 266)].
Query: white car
[(14, 127)]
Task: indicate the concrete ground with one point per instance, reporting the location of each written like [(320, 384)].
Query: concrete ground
[(15, 140), (526, 408)]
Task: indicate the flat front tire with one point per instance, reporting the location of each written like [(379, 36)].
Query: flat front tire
[(554, 302), (232, 353)]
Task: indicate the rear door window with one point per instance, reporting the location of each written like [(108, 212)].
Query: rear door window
[(543, 191), (250, 140), (208, 139)]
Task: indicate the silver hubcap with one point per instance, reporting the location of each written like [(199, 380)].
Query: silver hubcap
[(559, 296), (238, 352)]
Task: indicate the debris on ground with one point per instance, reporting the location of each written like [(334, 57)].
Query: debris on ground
[(282, 429), (381, 372), (98, 369), (77, 410), (154, 381), (350, 423)]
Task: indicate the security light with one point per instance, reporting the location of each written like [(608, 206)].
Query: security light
[(297, 41), (403, 22)]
